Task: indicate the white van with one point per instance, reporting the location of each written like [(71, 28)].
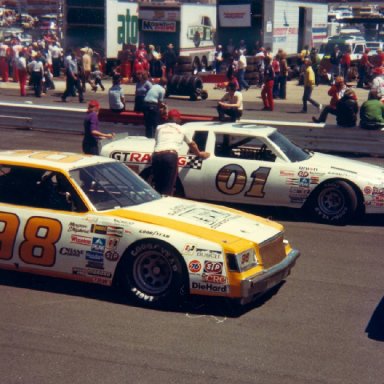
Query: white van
[(356, 44)]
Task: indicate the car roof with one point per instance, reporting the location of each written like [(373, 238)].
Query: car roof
[(65, 161), (241, 128)]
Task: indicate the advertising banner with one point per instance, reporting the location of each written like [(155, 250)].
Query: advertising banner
[(235, 15)]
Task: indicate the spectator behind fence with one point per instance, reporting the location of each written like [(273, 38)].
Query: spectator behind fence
[(372, 112)]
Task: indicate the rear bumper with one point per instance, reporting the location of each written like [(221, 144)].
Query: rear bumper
[(253, 286)]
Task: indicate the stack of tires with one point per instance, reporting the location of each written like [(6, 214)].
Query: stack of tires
[(184, 65), (251, 74), (186, 85)]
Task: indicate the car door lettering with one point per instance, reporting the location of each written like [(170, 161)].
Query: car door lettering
[(232, 179), (39, 239)]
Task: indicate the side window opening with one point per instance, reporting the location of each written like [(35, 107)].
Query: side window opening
[(242, 147), (35, 187), (200, 138)]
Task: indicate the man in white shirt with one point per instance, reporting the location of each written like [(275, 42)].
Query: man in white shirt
[(169, 138), (56, 53), (231, 104), (241, 67), (36, 69)]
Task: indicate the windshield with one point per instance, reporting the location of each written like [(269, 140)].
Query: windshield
[(328, 48), (113, 185), (292, 151)]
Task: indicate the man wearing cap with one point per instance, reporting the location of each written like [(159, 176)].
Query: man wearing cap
[(169, 138), (92, 133)]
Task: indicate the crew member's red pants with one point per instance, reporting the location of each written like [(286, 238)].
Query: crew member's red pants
[(22, 74), (267, 95), (4, 70)]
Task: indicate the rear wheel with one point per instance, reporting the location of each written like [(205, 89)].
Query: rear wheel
[(152, 274), (334, 202)]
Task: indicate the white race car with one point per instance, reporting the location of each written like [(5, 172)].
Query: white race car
[(90, 218), (252, 164)]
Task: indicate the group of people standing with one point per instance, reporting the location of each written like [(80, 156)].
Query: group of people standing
[(31, 65)]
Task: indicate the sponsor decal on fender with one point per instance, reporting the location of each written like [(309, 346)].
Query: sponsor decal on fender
[(216, 279), (71, 252), (112, 256), (115, 231), (212, 267), (209, 287), (153, 233), (189, 249), (81, 240), (78, 228), (98, 245), (99, 229), (194, 266), (207, 253)]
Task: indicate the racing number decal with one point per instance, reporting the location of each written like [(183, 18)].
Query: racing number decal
[(9, 225), (40, 236), (232, 179), (259, 178)]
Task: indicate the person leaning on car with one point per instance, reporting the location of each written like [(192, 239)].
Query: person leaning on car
[(92, 133), (169, 138)]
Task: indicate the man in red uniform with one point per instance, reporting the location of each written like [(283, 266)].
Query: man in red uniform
[(4, 57), (364, 68), (267, 90)]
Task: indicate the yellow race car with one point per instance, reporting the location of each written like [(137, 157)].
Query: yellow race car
[(90, 218)]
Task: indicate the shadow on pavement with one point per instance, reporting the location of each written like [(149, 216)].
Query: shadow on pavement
[(192, 305), (375, 327)]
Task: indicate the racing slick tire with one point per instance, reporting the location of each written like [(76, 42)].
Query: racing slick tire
[(153, 274), (334, 202)]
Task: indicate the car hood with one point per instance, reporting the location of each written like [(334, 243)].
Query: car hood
[(346, 167), (203, 220)]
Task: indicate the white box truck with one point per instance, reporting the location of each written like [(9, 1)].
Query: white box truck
[(191, 28)]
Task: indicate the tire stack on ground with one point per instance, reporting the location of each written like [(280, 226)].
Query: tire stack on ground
[(186, 85), (251, 74), (184, 65)]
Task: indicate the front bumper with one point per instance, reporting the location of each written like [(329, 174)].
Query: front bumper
[(253, 286)]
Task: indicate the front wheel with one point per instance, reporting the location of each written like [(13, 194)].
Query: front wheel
[(334, 202), (152, 274)]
